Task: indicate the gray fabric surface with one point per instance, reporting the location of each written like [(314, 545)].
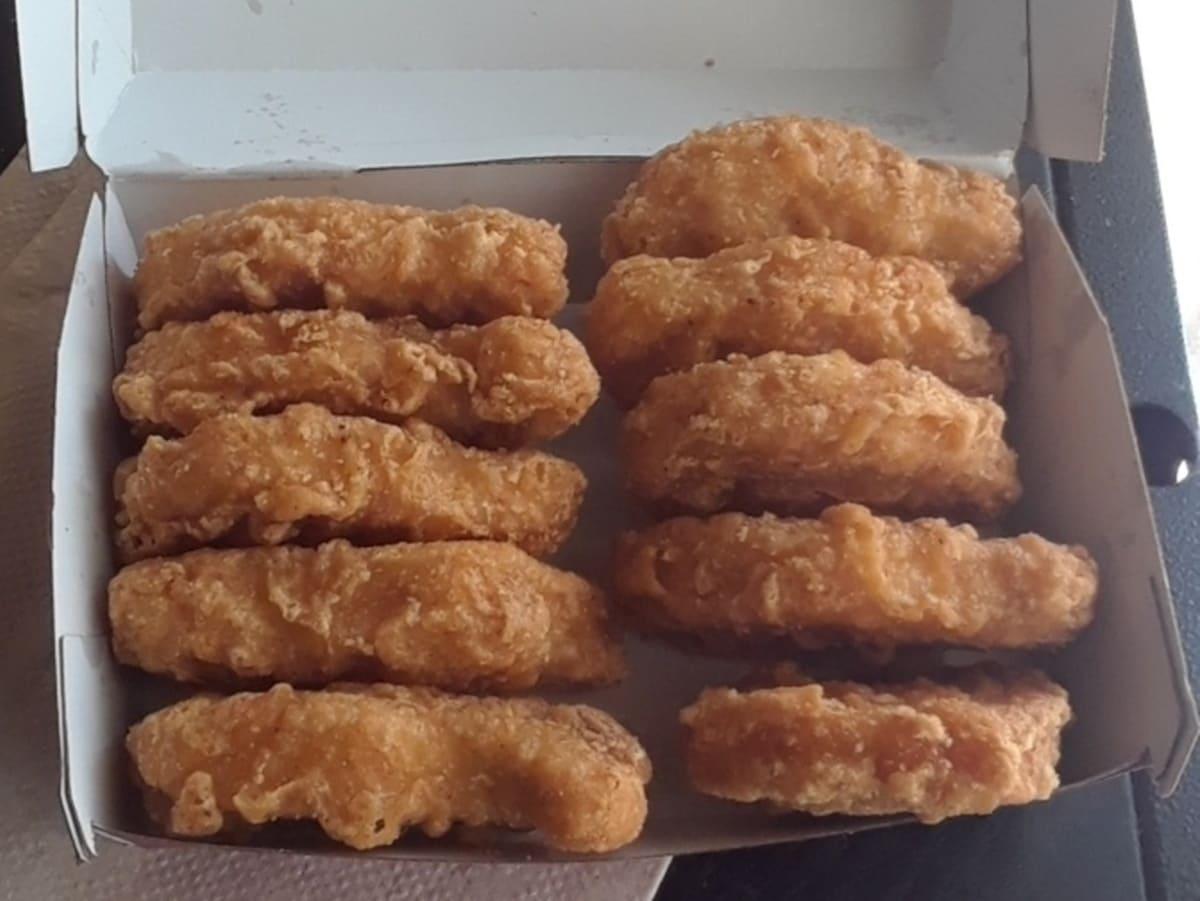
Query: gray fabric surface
[(40, 220)]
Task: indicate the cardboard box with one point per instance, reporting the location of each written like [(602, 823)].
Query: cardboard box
[(544, 107)]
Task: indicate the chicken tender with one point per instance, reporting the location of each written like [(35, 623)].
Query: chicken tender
[(369, 763), (932, 750), (854, 577), (467, 265), (511, 382), (815, 178), (651, 316), (792, 434), (459, 615), (307, 475)]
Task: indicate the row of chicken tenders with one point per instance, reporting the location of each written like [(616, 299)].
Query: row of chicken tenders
[(339, 506), (810, 396), (339, 511)]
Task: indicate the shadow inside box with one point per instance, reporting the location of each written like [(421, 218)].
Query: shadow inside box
[(773, 661), (473, 844), (489, 844), (462, 844)]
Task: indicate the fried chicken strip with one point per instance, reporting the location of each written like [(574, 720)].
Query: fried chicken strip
[(932, 750), (792, 434), (815, 178), (307, 475), (651, 315), (511, 382), (458, 615), (369, 763), (850, 576), (471, 264)]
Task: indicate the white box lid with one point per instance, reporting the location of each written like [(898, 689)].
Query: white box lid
[(174, 87)]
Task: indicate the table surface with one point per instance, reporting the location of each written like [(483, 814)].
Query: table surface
[(1112, 841)]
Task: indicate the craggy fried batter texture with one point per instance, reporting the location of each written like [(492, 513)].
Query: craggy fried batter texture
[(308, 475), (472, 264), (368, 763), (818, 179), (510, 382), (807, 296), (932, 750), (851, 576), (459, 615), (793, 434)]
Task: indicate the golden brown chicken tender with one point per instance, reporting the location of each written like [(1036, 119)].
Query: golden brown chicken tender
[(368, 763), (652, 316), (307, 475), (791, 434), (511, 382), (472, 264), (932, 750), (459, 615), (850, 576), (815, 178)]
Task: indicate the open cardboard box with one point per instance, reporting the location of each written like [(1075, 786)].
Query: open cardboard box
[(544, 106)]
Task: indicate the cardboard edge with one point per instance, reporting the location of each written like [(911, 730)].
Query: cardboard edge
[(986, 38), (1168, 771), (46, 32), (117, 837), (1035, 204), (275, 127), (78, 829), (88, 283), (1070, 55), (105, 63), (78, 820), (120, 264)]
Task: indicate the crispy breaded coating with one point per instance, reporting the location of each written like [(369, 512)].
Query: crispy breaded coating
[(472, 264), (511, 382), (932, 750), (791, 434), (371, 762), (651, 315), (787, 175), (852, 577), (307, 475), (458, 615)]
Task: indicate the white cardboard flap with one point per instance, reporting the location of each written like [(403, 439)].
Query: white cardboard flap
[(46, 35), (290, 85), (86, 442), (1083, 482), (1070, 51), (177, 87)]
